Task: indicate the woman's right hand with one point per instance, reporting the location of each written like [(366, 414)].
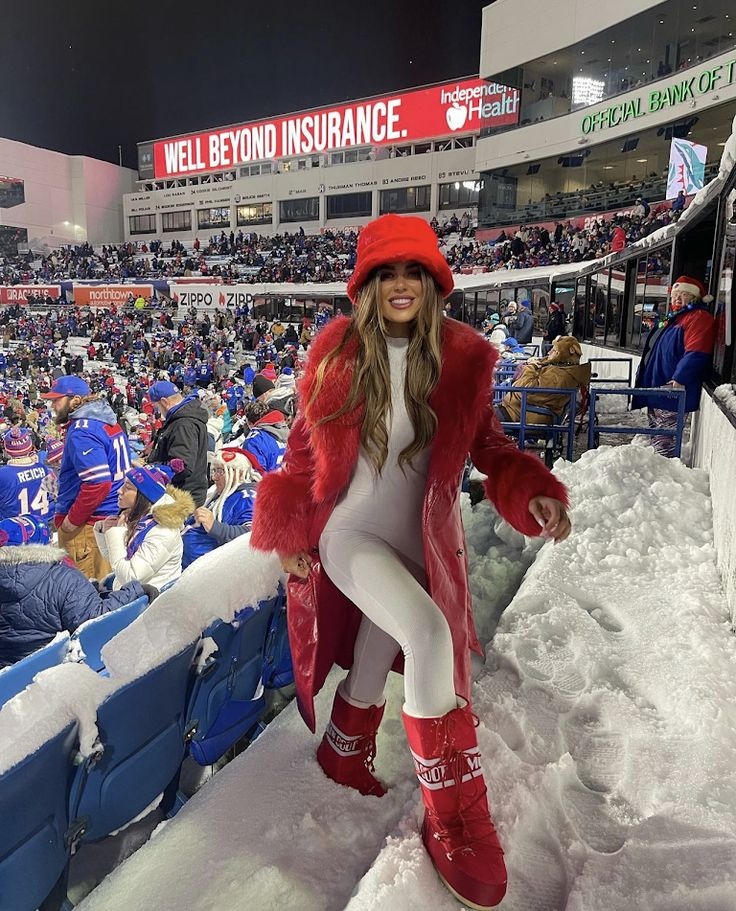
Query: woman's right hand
[(297, 564)]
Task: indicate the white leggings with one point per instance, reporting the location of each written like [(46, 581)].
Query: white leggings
[(397, 614)]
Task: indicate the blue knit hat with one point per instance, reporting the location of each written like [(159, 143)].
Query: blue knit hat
[(150, 480), (23, 530), (17, 442)]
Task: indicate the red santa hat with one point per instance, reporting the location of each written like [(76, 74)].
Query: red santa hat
[(396, 238), (692, 286)]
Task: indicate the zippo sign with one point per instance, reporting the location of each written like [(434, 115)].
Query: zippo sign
[(454, 107), (210, 297)]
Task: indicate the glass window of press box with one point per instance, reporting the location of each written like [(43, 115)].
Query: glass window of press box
[(260, 213), (601, 178), (214, 218), (406, 199), (459, 194), (617, 306), (350, 205), (176, 221), (651, 45), (304, 209), (142, 224)]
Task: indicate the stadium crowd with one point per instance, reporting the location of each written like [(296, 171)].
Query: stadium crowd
[(330, 257)]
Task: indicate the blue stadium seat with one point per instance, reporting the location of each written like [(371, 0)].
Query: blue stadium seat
[(18, 676), (94, 634), (36, 835), (141, 728), (228, 697), (278, 669)]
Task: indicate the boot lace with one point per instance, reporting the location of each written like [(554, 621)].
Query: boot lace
[(475, 826), (367, 741)]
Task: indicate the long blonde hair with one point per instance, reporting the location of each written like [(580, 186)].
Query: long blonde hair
[(371, 379)]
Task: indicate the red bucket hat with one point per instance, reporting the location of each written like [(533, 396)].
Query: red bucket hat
[(393, 238)]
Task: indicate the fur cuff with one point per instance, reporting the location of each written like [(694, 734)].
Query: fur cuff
[(283, 514), (511, 487)]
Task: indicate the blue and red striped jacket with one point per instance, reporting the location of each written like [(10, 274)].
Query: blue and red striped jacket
[(681, 351)]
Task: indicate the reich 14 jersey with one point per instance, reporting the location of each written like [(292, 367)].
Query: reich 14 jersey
[(26, 490)]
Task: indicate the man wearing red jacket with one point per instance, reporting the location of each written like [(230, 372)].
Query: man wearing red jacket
[(677, 353)]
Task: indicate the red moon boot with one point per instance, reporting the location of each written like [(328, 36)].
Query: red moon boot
[(348, 747), (457, 832)]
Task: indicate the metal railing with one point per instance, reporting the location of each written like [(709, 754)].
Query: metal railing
[(613, 360), (595, 429), (562, 422)]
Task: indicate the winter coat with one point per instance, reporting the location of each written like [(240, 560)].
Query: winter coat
[(618, 241), (546, 375), (157, 560), (555, 325), (42, 593), (294, 504), (184, 436), (524, 326), (680, 350)]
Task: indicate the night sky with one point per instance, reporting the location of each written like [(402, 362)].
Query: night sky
[(82, 77)]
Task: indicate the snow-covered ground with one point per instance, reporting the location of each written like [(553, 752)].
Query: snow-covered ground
[(607, 724)]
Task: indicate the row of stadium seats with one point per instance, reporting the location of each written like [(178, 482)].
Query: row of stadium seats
[(196, 703)]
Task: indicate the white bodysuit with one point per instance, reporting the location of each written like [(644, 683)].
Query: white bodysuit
[(371, 548)]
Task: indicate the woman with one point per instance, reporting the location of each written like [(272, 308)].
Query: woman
[(365, 511), (228, 511), (555, 323), (144, 541)]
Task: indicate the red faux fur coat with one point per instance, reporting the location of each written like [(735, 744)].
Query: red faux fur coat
[(293, 505)]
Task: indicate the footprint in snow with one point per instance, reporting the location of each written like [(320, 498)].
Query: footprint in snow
[(602, 615), (589, 815), (600, 760)]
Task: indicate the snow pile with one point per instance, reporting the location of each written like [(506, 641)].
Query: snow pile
[(215, 586), (498, 557), (57, 696), (607, 716), (607, 730), (726, 395)]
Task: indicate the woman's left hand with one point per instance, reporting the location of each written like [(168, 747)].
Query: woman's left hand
[(552, 516)]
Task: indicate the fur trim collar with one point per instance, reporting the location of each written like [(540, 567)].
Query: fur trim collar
[(31, 553), (174, 508), (461, 394)]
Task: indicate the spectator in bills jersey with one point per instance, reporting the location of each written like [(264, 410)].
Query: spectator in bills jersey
[(95, 460), (25, 483), (268, 433), (228, 510)]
